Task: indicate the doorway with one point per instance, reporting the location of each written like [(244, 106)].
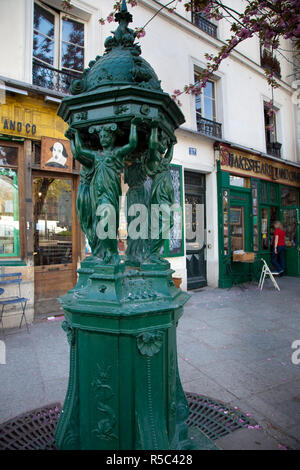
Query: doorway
[(55, 243), (268, 215), (291, 225), (195, 223)]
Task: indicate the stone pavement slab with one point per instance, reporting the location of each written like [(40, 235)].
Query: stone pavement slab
[(233, 346), (247, 439)]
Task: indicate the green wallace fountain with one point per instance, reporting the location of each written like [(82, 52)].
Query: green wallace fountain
[(124, 389)]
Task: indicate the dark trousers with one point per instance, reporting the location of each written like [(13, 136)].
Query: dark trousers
[(278, 260)]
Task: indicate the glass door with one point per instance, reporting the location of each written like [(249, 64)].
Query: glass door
[(268, 215), (239, 221), (290, 222), (9, 202), (195, 225), (53, 236)]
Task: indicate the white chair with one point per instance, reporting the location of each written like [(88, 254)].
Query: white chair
[(267, 272)]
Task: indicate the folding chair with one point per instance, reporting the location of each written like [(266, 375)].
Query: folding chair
[(15, 299), (267, 272)]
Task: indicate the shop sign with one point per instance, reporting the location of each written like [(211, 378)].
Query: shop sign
[(245, 164), (19, 126), (30, 117), (56, 155)]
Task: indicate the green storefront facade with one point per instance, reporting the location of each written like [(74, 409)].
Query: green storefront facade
[(253, 192)]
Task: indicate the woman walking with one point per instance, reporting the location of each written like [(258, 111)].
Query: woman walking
[(278, 249)]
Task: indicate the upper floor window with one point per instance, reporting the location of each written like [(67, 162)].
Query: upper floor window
[(198, 19), (273, 147), (58, 48), (206, 101), (206, 110), (268, 61)]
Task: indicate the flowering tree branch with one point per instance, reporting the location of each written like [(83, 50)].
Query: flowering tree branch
[(269, 20)]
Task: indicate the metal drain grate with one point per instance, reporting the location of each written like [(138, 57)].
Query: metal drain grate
[(33, 430), (215, 419)]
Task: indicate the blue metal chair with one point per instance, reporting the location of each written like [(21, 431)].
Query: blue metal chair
[(7, 279)]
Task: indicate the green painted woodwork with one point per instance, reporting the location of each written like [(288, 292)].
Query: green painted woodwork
[(120, 319), (16, 237), (269, 197), (12, 263)]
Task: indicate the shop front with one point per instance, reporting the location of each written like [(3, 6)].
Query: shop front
[(39, 232), (254, 192), (195, 223)]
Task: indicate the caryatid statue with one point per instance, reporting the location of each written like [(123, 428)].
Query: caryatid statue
[(162, 191), (100, 189)]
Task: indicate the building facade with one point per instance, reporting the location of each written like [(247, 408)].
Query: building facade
[(225, 139)]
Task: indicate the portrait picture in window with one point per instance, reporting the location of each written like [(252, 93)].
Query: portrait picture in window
[(56, 154)]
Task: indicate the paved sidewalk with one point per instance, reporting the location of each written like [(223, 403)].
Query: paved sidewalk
[(233, 345)]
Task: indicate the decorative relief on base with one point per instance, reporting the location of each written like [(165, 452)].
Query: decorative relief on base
[(150, 405), (137, 289), (149, 343), (66, 326), (67, 430), (104, 394)]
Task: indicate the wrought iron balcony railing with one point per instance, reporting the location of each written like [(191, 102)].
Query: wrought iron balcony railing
[(202, 23), (51, 78), (208, 127), (274, 149)]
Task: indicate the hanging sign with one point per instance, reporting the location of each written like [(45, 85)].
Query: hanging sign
[(56, 155)]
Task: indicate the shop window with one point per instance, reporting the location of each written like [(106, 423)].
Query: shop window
[(52, 221), (269, 193), (36, 153), (273, 193), (263, 191), (289, 196), (289, 222), (9, 202), (273, 218), (239, 181), (58, 48), (264, 229), (255, 216), (225, 222), (269, 215), (237, 228)]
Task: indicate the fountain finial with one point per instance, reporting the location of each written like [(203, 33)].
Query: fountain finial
[(123, 14), (124, 6)]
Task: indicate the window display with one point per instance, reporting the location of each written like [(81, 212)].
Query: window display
[(264, 229), (225, 222), (52, 221), (9, 202), (289, 223), (289, 196), (255, 218), (237, 228)]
